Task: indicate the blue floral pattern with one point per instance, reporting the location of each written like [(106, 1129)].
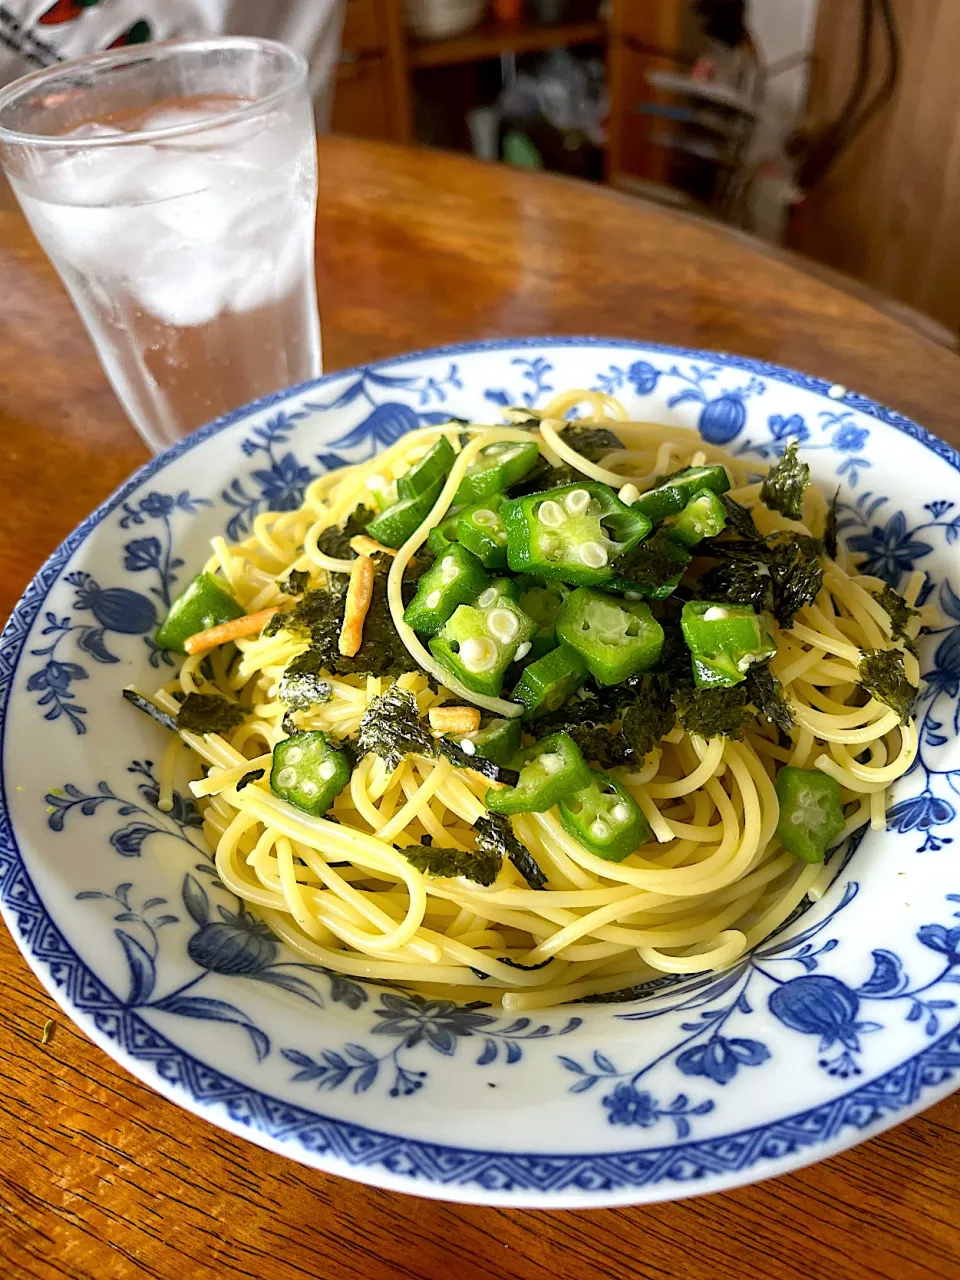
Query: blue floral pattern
[(226, 941), (183, 820), (192, 952), (533, 385), (847, 439), (891, 549), (412, 1020), (114, 610), (280, 480), (234, 943), (811, 1004)]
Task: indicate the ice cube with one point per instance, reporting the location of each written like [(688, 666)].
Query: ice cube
[(252, 283), (269, 271), (192, 197), (213, 136), (171, 117), (278, 145), (88, 239), (93, 129), (181, 287), (94, 178)]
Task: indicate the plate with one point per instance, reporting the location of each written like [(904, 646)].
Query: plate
[(844, 1023)]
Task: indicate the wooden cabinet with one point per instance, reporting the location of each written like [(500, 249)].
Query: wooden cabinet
[(364, 27), (361, 105), (372, 97), (640, 36)]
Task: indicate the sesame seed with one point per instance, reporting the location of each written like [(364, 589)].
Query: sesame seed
[(467, 747), (629, 494)]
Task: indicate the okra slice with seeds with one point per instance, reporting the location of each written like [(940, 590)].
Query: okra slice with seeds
[(605, 819), (615, 638), (811, 814), (574, 533), (480, 530), (498, 740), (724, 641), (543, 604), (307, 772), (703, 517), (479, 642), (456, 577), (550, 770), (495, 468)]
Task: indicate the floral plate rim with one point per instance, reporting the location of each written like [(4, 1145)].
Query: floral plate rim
[(406, 1163)]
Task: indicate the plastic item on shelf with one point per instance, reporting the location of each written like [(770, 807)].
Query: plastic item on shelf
[(484, 126), (441, 19), (569, 93), (518, 150)]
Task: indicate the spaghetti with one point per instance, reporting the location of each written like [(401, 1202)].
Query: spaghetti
[(711, 882)]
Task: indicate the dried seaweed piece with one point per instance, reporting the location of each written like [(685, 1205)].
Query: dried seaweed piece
[(481, 865), (209, 713), (494, 833)]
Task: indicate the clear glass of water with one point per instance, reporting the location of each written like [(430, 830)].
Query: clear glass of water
[(174, 188)]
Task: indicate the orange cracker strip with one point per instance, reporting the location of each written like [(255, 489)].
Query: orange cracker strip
[(359, 595), (365, 546), (226, 631)]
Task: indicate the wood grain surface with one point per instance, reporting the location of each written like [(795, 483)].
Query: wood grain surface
[(887, 211), (101, 1179)]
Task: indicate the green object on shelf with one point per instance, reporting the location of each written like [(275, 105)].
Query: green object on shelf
[(518, 150)]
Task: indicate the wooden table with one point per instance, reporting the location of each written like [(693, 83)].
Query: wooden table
[(101, 1178)]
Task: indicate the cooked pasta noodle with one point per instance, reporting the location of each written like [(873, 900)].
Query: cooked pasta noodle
[(712, 881)]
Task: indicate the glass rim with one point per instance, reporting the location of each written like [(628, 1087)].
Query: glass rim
[(108, 58)]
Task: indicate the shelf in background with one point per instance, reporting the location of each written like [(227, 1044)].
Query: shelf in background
[(490, 38)]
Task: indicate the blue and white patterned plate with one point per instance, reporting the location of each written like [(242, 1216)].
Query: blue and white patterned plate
[(845, 1023)]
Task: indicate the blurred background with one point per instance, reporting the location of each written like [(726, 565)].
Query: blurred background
[(831, 128)]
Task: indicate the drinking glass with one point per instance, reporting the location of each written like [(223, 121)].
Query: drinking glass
[(174, 188)]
